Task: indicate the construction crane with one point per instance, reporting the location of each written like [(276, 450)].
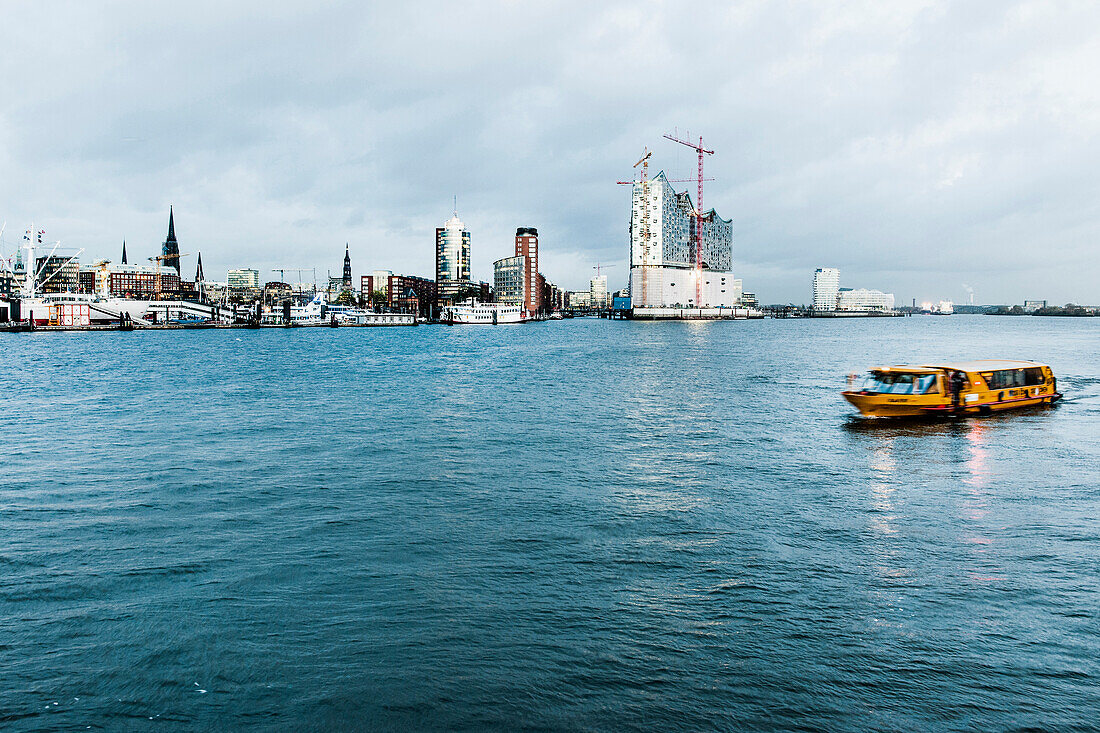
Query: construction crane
[(644, 234), (163, 258), (599, 265), (283, 270), (701, 150)]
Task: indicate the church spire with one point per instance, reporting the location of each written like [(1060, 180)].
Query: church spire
[(124, 251), (347, 266), (171, 250), (198, 271)]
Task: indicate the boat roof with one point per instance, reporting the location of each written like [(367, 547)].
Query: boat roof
[(985, 365), (976, 365)]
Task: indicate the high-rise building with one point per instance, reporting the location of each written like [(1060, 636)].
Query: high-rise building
[(170, 251), (826, 288), (347, 267), (452, 257), (668, 269), (527, 245), (597, 292), (512, 280)]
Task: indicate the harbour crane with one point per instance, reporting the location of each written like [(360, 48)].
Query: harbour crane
[(164, 258), (701, 150)]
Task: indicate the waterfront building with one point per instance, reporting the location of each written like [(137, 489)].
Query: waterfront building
[(452, 258), (511, 280), (1030, 306), (527, 245), (666, 275), (410, 294), (862, 299), (379, 280), (826, 288), (749, 300), (56, 274), (597, 292), (170, 251), (128, 281), (242, 279), (578, 299)]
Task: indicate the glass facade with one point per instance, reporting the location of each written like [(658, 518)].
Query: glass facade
[(510, 280), (452, 257)]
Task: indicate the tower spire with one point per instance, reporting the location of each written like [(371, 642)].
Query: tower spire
[(124, 251), (198, 271), (171, 250)]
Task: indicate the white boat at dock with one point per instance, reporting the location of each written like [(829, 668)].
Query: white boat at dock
[(494, 314)]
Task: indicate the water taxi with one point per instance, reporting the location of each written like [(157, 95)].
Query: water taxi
[(965, 388)]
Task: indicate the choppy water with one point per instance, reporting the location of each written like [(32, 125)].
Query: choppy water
[(575, 525)]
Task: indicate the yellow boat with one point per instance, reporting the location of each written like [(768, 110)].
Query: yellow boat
[(964, 388)]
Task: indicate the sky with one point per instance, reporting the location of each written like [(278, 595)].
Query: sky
[(927, 149)]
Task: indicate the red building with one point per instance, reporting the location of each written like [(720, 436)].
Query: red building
[(527, 244), (411, 294)]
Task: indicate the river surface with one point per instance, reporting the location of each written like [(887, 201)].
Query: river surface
[(573, 525)]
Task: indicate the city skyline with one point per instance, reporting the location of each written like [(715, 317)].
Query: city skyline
[(911, 146)]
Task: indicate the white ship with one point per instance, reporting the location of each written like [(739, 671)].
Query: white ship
[(487, 313)]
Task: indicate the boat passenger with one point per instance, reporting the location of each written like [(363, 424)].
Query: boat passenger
[(958, 380)]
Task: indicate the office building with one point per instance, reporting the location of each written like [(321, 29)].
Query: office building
[(242, 279), (452, 258), (862, 299), (56, 274), (511, 280), (597, 292)]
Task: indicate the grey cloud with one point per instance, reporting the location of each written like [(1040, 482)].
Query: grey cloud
[(915, 145)]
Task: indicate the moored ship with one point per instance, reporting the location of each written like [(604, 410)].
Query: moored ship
[(483, 313)]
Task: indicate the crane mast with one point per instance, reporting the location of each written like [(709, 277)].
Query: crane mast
[(701, 150)]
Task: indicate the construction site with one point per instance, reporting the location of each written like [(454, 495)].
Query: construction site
[(681, 257)]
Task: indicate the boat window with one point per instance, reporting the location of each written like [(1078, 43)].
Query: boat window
[(1007, 378), (926, 384), (895, 383)]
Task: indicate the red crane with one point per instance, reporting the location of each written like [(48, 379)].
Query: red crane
[(698, 215)]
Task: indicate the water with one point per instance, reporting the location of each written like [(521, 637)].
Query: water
[(574, 525)]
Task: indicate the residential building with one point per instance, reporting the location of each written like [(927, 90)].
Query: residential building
[(527, 245), (452, 258), (826, 288), (663, 251), (241, 279)]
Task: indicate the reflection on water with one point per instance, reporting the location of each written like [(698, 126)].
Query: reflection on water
[(962, 447)]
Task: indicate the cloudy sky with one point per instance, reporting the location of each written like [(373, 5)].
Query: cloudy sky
[(921, 147)]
